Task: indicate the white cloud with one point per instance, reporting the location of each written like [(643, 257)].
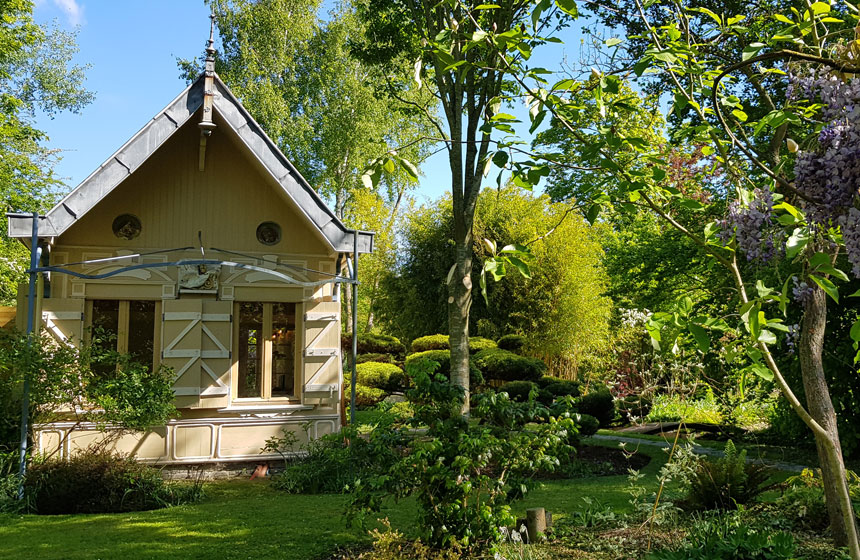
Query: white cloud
[(74, 11)]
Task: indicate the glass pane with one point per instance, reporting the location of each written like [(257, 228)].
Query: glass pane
[(141, 331), (283, 348), (105, 326), (250, 350)]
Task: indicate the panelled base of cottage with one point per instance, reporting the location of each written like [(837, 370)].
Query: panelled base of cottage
[(189, 441)]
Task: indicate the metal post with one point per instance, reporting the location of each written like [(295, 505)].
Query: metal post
[(35, 253), (354, 327)]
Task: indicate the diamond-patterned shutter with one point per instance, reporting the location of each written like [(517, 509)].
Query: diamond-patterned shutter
[(63, 319)]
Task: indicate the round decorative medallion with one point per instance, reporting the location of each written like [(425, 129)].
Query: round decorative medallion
[(126, 226), (269, 233)]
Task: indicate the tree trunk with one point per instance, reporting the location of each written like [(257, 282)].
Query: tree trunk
[(821, 409), (459, 302)]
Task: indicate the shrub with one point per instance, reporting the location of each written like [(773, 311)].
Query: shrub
[(721, 537), (562, 388), (372, 343), (366, 396), (387, 377), (588, 425), (518, 390), (802, 500), (476, 344), (431, 342), (598, 404), (634, 407), (503, 365), (462, 474), (442, 357), (512, 343), (724, 482), (101, 482), (381, 358), (333, 462)]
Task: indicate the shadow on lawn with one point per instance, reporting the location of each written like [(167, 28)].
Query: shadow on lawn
[(238, 520)]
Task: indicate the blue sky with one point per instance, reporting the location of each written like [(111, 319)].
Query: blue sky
[(132, 47)]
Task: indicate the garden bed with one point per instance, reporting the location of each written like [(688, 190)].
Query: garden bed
[(595, 460)]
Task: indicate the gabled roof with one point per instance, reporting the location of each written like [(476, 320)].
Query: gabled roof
[(152, 136)]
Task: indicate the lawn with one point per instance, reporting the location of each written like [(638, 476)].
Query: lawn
[(243, 519)]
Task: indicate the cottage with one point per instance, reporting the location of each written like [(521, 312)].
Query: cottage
[(201, 248)]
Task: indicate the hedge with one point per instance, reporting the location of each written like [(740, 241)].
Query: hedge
[(387, 377), (503, 365), (373, 357), (371, 343), (442, 342), (512, 342), (431, 342), (598, 404)]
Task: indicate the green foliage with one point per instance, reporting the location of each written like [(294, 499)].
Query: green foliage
[(36, 76), (727, 536), (587, 424), (387, 377), (560, 309), (373, 343), (476, 344), (439, 361), (440, 342), (519, 391), (560, 387), (500, 364), (726, 482), (381, 358), (431, 342), (128, 395), (512, 342), (802, 503), (462, 473), (101, 482), (332, 463), (599, 404), (365, 396)]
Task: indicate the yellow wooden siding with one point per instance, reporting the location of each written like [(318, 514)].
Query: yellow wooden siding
[(174, 201)]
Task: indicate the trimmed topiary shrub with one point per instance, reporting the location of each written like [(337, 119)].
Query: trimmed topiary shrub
[(431, 342), (518, 390), (512, 343), (371, 343), (588, 425), (101, 482), (365, 396), (599, 404), (443, 358), (503, 365), (562, 388), (476, 344), (381, 358), (387, 377)]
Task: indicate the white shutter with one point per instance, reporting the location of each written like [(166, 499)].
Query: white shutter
[(215, 353), (63, 319), (322, 351)]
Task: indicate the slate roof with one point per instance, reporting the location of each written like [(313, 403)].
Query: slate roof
[(152, 136)]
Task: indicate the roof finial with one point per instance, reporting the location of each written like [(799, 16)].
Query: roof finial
[(210, 47)]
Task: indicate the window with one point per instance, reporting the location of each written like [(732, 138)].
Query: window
[(266, 350), (129, 327)]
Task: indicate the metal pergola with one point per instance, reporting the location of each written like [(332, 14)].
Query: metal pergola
[(35, 269)]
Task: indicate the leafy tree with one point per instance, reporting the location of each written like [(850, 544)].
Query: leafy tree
[(446, 41), (801, 210), (560, 309), (36, 74)]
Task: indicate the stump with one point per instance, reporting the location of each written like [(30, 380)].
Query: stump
[(535, 523)]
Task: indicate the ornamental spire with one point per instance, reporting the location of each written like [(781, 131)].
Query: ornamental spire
[(210, 47)]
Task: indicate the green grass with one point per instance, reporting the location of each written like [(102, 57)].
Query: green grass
[(243, 519), (238, 519)]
